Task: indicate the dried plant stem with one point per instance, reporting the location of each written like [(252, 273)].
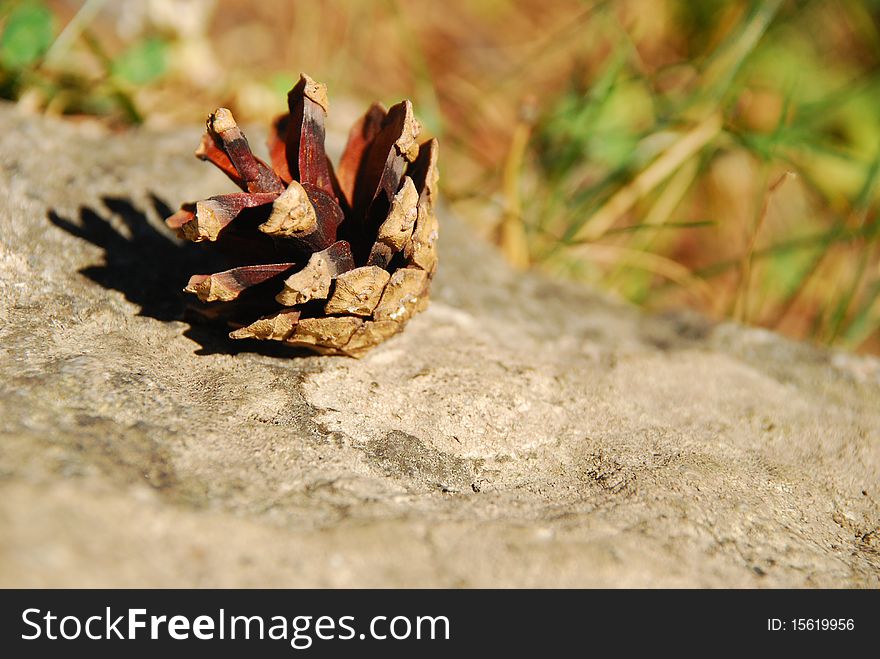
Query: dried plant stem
[(741, 310), (74, 29), (667, 201), (512, 232), (655, 263), (657, 172)]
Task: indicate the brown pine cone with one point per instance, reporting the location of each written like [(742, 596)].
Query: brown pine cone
[(336, 262)]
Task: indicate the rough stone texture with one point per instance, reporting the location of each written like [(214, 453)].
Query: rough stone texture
[(518, 433)]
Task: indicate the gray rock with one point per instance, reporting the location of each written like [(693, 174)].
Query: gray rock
[(521, 432)]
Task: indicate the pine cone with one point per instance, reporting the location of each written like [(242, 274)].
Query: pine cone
[(336, 262)]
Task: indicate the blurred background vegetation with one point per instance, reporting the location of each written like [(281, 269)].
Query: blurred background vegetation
[(722, 155)]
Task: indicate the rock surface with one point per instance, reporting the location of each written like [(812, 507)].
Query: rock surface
[(518, 433)]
